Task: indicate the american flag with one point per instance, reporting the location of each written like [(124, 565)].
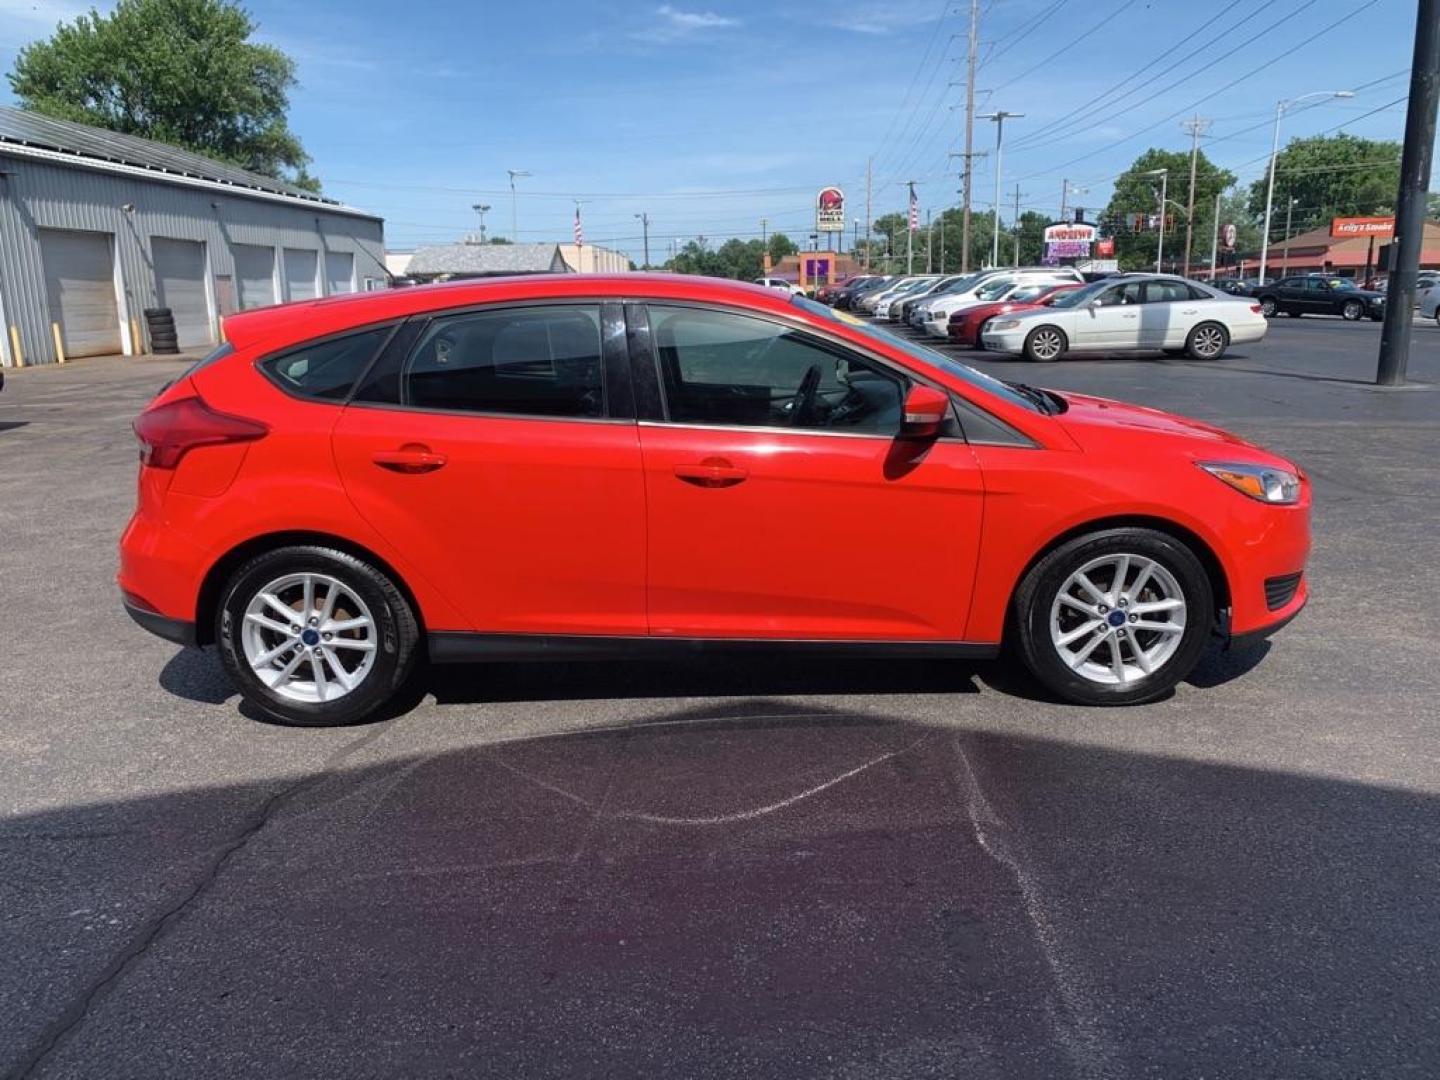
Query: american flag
[(579, 232), (914, 211)]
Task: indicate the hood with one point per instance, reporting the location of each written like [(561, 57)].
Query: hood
[(1096, 422)]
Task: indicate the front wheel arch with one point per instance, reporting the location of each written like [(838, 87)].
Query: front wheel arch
[(208, 602), (1214, 570)]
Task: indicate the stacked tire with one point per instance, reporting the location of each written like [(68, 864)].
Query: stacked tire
[(160, 325)]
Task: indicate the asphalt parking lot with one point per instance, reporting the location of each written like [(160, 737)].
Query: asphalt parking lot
[(759, 868)]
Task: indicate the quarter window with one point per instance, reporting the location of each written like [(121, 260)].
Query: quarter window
[(722, 368), (327, 369), (532, 361)]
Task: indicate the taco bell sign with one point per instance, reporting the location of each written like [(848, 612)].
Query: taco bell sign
[(830, 210)]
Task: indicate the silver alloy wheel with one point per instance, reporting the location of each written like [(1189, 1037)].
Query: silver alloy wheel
[(1352, 310), (1118, 619), (1046, 343), (309, 637), (1267, 307), (1208, 342)]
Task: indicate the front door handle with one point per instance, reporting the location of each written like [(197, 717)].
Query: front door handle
[(410, 459), (712, 473)]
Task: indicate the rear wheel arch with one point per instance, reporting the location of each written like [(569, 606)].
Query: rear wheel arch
[(1214, 569), (213, 586)]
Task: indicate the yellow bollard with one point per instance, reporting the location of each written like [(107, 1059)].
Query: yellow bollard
[(59, 345), (15, 349), (137, 345)]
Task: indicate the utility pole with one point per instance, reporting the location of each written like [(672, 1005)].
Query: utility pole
[(909, 229), (974, 41), (1215, 239), (929, 236), (514, 216), (1196, 127), (1017, 226), (1410, 203), (999, 116), (942, 241), (645, 227), (1285, 251), (1064, 196), (869, 177)]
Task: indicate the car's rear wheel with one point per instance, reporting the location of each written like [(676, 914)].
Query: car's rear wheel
[(1267, 306), (1116, 617), (1206, 341), (1352, 310), (1045, 344), (315, 637)]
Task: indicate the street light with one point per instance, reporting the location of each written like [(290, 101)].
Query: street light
[(514, 218), (1164, 175), (999, 116), (1280, 107), (481, 208), (645, 227)]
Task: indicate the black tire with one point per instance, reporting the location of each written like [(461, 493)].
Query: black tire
[(1352, 311), (1038, 591), (396, 635), (1268, 307), (1207, 341), (1038, 344)]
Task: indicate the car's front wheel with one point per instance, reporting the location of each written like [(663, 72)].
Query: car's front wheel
[(1352, 310), (1267, 306), (1045, 344), (315, 637), (1115, 617)]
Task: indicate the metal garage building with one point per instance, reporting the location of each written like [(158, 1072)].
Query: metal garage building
[(95, 227)]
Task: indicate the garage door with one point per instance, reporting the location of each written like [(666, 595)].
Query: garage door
[(180, 286), (255, 272), (80, 285), (299, 274), (339, 272)]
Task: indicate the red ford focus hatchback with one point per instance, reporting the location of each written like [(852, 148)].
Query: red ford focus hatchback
[(583, 466)]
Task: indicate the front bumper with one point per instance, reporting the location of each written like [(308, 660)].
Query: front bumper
[(1248, 639), (1007, 341)]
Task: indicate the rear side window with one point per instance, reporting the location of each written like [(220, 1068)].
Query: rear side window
[(530, 361), (326, 369)]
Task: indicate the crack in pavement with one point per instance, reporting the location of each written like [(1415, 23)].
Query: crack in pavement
[(151, 932)]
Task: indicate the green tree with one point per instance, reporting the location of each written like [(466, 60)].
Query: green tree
[(781, 245), (182, 72), (1329, 176), (1136, 193)]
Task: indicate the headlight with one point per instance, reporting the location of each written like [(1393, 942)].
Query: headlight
[(1002, 324), (1277, 486)]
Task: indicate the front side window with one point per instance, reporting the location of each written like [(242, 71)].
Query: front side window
[(327, 369), (530, 361), (723, 368), (1129, 293)]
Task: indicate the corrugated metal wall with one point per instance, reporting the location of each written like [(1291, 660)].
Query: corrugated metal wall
[(37, 195)]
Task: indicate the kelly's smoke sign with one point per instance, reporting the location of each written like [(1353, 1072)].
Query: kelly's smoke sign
[(830, 210)]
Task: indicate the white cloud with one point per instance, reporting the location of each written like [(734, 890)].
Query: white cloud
[(673, 24)]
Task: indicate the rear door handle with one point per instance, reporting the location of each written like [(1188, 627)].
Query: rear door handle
[(712, 473), (410, 459)]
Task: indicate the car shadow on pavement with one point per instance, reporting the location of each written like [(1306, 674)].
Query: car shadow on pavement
[(807, 892)]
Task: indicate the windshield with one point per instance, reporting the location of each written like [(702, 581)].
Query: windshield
[(919, 352), (1082, 296), (995, 290), (1030, 292)]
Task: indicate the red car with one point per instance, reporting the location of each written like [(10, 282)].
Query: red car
[(965, 325), (588, 466)]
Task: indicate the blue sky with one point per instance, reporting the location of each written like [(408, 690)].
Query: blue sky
[(711, 114)]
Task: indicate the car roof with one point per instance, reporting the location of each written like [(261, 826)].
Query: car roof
[(306, 319)]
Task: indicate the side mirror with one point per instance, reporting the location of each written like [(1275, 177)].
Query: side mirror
[(1095, 302), (925, 412)]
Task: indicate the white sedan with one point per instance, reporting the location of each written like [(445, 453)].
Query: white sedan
[(1428, 297), (1136, 312)]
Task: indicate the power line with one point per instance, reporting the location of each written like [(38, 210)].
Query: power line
[(1067, 47)]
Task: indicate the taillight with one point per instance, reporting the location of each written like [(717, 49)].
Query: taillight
[(1257, 309), (168, 432)]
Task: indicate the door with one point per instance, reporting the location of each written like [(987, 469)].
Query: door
[(781, 503), (1167, 314), (180, 286), (1290, 295), (1112, 320), (300, 273), (80, 286), (339, 273), (498, 457), (255, 274)]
